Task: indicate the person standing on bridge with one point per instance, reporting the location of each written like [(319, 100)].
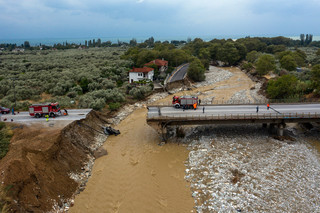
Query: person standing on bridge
[(199, 102), (257, 109), (268, 106), (203, 109)]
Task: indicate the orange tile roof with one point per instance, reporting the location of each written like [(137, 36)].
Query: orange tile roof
[(158, 62), (143, 69)]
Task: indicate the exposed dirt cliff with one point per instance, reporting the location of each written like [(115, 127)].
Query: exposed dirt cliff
[(43, 167)]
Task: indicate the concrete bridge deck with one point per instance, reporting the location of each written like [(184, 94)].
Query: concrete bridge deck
[(161, 117)]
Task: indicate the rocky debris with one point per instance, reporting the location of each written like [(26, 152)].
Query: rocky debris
[(214, 75), (254, 93), (239, 98), (236, 168)]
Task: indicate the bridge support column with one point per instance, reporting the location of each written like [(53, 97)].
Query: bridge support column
[(264, 125), (281, 129)]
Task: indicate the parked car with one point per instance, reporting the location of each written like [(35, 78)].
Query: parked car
[(4, 110)]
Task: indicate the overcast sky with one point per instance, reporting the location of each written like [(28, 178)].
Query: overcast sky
[(22, 19)]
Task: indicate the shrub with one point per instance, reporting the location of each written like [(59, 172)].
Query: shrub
[(140, 92), (85, 101), (247, 66), (98, 104), (288, 63), (114, 106), (72, 94), (283, 87)]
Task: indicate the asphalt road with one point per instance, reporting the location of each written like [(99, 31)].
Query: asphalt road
[(179, 73), (24, 117), (235, 110)]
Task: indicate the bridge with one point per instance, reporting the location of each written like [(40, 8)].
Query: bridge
[(162, 116)]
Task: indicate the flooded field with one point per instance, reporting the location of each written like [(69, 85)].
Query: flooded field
[(233, 168)]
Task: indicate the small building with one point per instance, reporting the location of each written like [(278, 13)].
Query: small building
[(161, 64), (138, 74)]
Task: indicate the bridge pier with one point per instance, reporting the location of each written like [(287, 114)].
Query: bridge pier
[(281, 128)]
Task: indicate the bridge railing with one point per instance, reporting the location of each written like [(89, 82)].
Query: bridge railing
[(256, 116), (247, 102)]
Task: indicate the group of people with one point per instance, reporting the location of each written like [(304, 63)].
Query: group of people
[(268, 107)]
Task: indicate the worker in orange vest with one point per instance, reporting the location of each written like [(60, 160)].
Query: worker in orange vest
[(268, 106), (195, 106)]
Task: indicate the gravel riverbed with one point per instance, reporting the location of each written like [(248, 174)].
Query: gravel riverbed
[(241, 168)]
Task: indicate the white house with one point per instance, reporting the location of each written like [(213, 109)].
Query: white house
[(137, 74)]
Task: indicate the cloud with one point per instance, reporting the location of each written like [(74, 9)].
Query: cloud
[(34, 18)]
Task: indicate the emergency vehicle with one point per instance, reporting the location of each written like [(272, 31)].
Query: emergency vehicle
[(186, 102), (39, 110)]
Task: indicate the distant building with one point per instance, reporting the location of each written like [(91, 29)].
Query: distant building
[(137, 74), (16, 50), (161, 64)]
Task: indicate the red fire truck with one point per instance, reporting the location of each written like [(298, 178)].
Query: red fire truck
[(186, 102), (39, 110)]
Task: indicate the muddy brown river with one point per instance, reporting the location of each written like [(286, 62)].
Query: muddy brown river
[(137, 175)]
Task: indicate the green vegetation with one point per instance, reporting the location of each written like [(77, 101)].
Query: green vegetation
[(315, 73), (283, 87), (5, 136), (196, 70), (265, 63), (82, 76), (74, 77)]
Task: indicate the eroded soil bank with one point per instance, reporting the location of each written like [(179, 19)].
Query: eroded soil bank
[(43, 167)]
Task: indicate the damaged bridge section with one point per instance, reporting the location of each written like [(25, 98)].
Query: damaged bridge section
[(161, 117)]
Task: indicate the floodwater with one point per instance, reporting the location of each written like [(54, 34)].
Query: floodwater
[(137, 175)]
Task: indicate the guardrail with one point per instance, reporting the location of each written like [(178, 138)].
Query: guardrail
[(246, 102), (264, 116)]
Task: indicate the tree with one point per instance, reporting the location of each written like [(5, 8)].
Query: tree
[(265, 64), (99, 42), (27, 45), (283, 87), (302, 39), (133, 42), (196, 70), (228, 53), (315, 78), (287, 62), (253, 56)]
